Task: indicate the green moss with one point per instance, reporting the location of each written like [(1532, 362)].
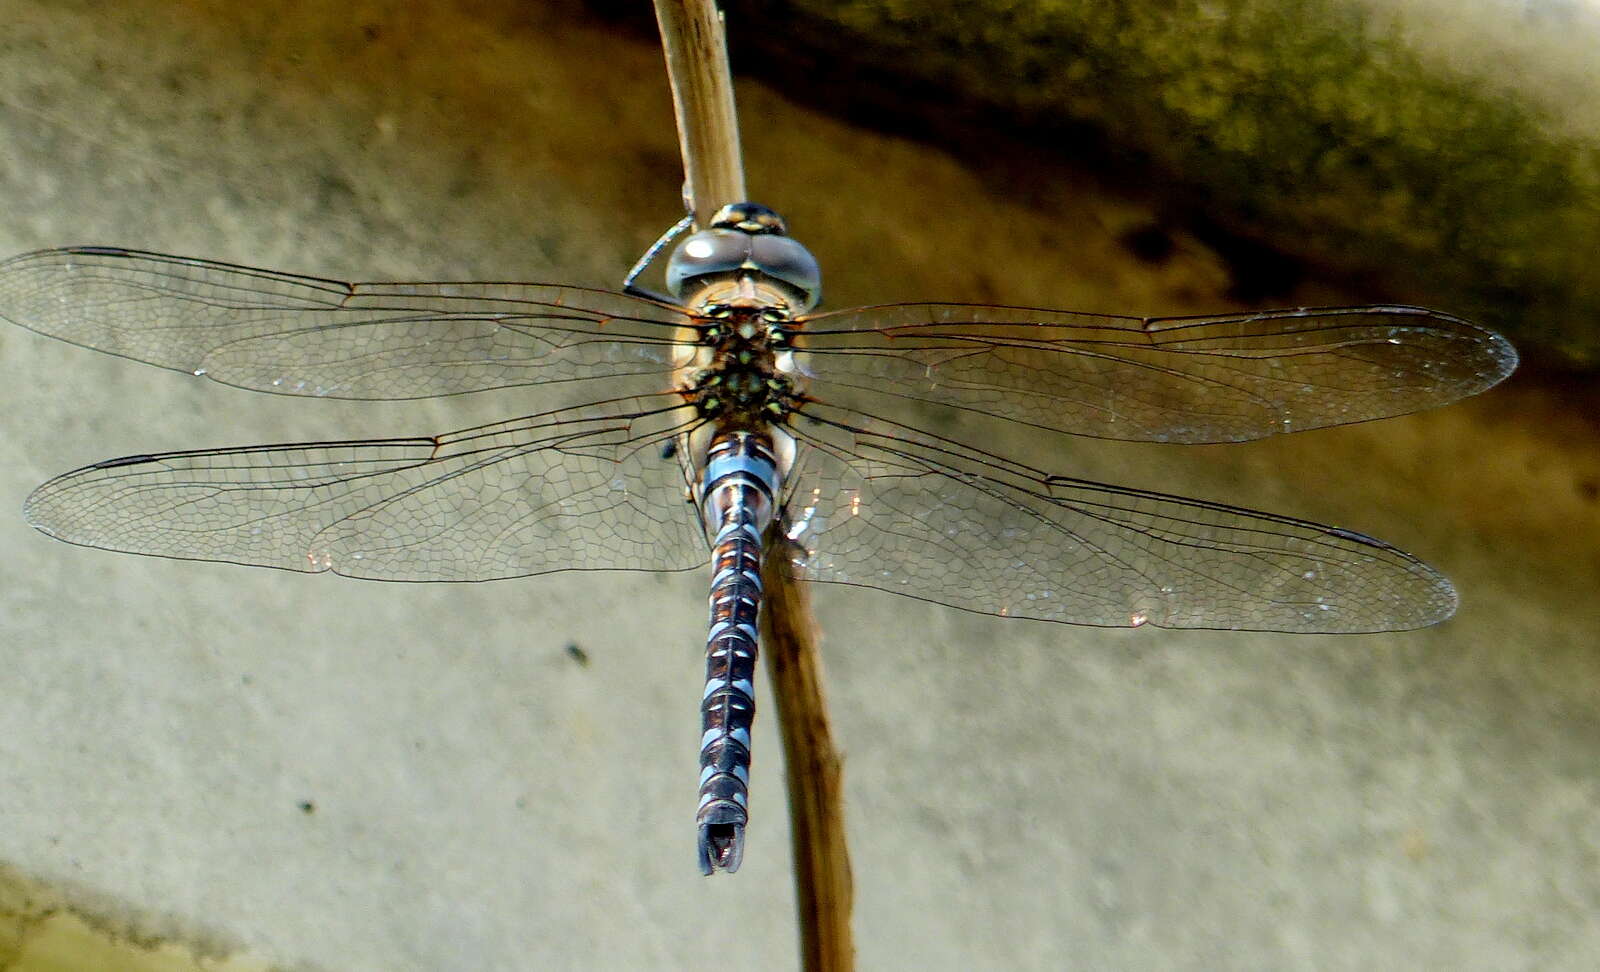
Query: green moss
[(1306, 123)]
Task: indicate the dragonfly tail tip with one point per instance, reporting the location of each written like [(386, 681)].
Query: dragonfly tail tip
[(721, 847)]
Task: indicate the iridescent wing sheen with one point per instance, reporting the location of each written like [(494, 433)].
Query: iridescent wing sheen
[(1224, 378), (292, 335), (900, 511), (590, 489), (880, 498)]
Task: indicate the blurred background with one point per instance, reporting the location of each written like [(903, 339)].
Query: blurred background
[(270, 770)]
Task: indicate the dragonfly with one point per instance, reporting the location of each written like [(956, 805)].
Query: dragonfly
[(664, 432)]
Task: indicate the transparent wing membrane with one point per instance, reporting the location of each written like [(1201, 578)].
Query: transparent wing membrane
[(915, 515), (887, 492), (562, 491), (292, 335), (1224, 378)]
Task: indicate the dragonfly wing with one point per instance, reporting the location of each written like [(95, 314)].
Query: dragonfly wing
[(1224, 378), (919, 516), (292, 335), (562, 491)]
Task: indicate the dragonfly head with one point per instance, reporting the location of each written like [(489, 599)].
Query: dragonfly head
[(745, 244)]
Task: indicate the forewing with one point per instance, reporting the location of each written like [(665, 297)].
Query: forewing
[(1221, 378), (564, 491), (914, 515), (292, 335)]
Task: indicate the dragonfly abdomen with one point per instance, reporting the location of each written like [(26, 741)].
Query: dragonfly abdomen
[(737, 502)]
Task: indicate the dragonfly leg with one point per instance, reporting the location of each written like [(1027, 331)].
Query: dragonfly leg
[(639, 267)]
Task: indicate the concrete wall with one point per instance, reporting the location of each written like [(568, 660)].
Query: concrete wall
[(1021, 795)]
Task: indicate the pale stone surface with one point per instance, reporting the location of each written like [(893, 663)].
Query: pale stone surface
[(1022, 795)]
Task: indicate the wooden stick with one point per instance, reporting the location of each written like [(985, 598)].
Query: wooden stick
[(702, 99), (823, 886), (708, 133)]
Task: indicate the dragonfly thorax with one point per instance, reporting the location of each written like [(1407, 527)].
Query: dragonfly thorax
[(747, 381)]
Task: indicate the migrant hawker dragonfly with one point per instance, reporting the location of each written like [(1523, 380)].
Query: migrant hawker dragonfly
[(833, 427)]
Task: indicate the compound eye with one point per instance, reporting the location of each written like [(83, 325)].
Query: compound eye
[(707, 252), (784, 259), (723, 251)]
